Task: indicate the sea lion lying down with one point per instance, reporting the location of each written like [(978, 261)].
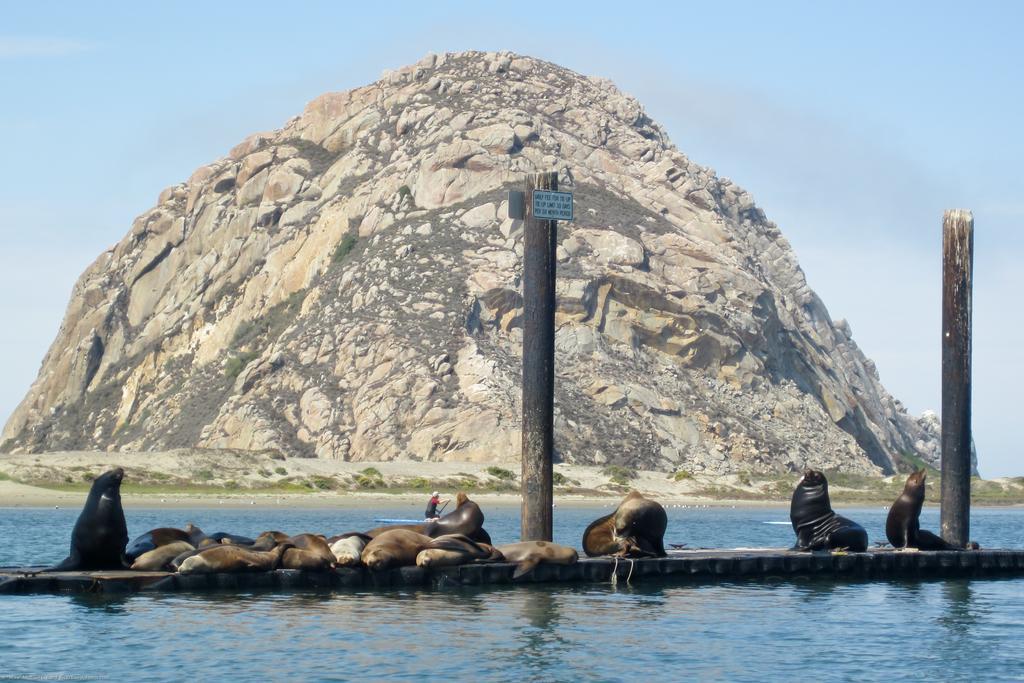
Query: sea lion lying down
[(635, 529), (467, 519), (404, 548), (528, 554)]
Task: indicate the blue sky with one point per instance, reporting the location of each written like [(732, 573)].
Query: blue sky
[(853, 125)]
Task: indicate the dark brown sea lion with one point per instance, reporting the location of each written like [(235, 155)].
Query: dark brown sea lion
[(903, 526), (232, 558), (635, 529), (467, 519), (232, 539), (394, 548), (310, 552), (160, 558), (455, 549), (100, 534), (817, 527), (529, 554), (155, 538), (268, 539)]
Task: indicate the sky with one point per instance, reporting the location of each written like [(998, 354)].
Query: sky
[(853, 125)]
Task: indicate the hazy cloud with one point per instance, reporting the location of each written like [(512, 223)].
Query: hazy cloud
[(15, 47)]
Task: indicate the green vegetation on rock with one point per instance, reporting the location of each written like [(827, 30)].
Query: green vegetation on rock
[(618, 474), (500, 473), (344, 248)]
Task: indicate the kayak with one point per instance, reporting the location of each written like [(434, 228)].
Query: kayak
[(388, 520)]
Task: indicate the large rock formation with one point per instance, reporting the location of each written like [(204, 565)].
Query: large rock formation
[(349, 287)]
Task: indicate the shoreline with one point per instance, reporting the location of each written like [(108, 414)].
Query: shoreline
[(15, 495), (186, 478)]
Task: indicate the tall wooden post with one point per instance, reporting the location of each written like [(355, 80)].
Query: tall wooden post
[(538, 364), (957, 265)]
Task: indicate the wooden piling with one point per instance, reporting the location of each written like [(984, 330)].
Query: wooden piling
[(957, 275), (538, 364)]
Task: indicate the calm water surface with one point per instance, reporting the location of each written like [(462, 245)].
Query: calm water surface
[(751, 631)]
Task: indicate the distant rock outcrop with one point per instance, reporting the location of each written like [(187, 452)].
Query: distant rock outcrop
[(349, 287)]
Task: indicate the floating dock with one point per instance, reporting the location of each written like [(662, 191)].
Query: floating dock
[(680, 567)]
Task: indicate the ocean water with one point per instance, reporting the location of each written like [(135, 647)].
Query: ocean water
[(738, 631)]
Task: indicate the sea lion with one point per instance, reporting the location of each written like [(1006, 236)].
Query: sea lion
[(160, 558), (233, 558), (309, 552), (268, 539), (155, 538), (817, 527), (233, 539), (529, 554), (348, 549), (903, 526), (100, 534), (196, 536), (455, 549), (467, 519), (635, 529), (394, 548)]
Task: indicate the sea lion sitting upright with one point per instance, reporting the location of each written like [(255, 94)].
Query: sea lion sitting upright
[(817, 527), (528, 554), (155, 538), (903, 526), (160, 558), (100, 534), (394, 548), (232, 558), (455, 549), (635, 529)]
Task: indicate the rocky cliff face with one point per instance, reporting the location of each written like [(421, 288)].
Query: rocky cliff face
[(349, 287)]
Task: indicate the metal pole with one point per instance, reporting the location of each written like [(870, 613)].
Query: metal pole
[(538, 364), (957, 275)]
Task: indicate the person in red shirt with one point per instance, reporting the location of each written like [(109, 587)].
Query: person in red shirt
[(435, 500)]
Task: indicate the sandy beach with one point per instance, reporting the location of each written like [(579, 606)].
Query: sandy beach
[(202, 478)]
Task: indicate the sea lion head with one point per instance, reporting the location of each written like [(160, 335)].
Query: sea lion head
[(378, 558), (813, 478), (461, 499), (915, 484), (109, 481)]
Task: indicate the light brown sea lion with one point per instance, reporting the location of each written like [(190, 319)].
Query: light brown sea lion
[(310, 552), (467, 519), (635, 529), (394, 548), (903, 525), (455, 549), (348, 549), (160, 558), (155, 538), (529, 554), (231, 559)]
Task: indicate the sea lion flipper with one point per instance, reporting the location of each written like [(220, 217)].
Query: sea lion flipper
[(926, 540), (525, 567), (68, 564)]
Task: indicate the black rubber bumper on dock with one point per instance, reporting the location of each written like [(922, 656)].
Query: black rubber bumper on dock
[(685, 566)]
